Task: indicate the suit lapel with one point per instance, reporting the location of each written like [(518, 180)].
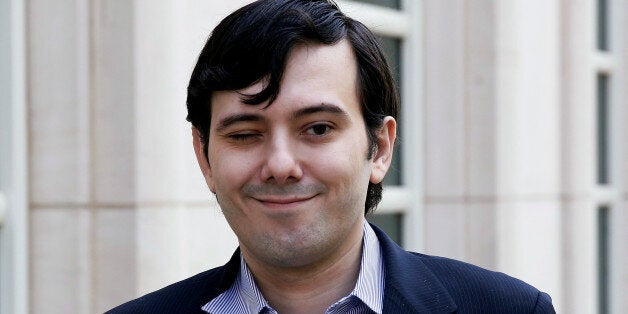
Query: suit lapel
[(410, 287), (221, 280)]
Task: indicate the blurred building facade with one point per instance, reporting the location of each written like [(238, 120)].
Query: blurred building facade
[(513, 148)]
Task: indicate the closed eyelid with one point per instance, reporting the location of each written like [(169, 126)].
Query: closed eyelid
[(237, 118)]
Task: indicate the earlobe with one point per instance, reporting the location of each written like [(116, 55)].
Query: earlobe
[(385, 138), (203, 162)]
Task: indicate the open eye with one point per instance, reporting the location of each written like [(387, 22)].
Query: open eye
[(318, 129)]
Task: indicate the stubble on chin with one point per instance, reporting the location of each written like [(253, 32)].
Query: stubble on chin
[(291, 249)]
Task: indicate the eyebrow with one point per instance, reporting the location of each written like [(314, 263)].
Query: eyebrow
[(323, 107)]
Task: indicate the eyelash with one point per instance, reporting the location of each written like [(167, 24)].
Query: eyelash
[(241, 137)]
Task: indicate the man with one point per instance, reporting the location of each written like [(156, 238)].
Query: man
[(293, 110)]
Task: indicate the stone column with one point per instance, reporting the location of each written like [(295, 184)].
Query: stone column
[(493, 135)]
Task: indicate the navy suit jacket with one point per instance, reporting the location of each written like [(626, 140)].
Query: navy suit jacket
[(414, 283)]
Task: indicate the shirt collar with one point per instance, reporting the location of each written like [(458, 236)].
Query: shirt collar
[(251, 295), (245, 296), (369, 287)]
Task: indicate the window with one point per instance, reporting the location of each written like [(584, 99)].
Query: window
[(606, 106), (392, 48), (384, 3), (602, 129), (602, 25), (603, 259), (396, 24)]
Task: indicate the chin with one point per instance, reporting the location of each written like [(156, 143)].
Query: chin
[(294, 250)]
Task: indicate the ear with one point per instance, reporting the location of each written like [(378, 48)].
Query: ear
[(385, 140), (203, 162)]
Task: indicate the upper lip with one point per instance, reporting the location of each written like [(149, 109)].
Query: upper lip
[(283, 199)]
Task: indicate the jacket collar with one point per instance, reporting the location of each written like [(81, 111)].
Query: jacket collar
[(220, 280), (410, 286)]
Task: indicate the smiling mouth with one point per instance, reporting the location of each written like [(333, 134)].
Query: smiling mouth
[(283, 200)]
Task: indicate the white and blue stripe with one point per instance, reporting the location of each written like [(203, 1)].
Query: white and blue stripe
[(367, 296)]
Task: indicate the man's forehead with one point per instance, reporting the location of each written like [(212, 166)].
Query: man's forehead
[(314, 74)]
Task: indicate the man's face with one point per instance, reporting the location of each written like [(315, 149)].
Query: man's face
[(291, 178)]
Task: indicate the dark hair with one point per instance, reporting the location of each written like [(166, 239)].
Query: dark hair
[(253, 43)]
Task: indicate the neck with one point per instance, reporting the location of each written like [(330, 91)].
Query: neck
[(310, 288)]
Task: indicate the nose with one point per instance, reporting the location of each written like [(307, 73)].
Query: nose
[(281, 164)]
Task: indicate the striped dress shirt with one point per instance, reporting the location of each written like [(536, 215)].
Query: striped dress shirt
[(367, 296)]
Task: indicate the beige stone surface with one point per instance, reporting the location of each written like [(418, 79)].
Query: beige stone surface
[(529, 243), (193, 187), (444, 99), (578, 148), (623, 137), (528, 97), (207, 239), (158, 250), (174, 243), (113, 263), (445, 230), (60, 265), (579, 251), (481, 238), (113, 109), (57, 112), (480, 106)]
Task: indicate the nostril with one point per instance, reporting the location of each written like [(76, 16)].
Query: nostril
[(282, 169)]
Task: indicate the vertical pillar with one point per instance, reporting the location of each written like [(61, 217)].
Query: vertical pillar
[(578, 163), (112, 151), (58, 127), (444, 66), (528, 142)]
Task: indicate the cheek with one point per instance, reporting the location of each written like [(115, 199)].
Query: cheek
[(344, 164), (230, 170)]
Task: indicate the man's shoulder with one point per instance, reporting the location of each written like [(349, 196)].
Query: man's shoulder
[(428, 283), (474, 287), (185, 296)]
